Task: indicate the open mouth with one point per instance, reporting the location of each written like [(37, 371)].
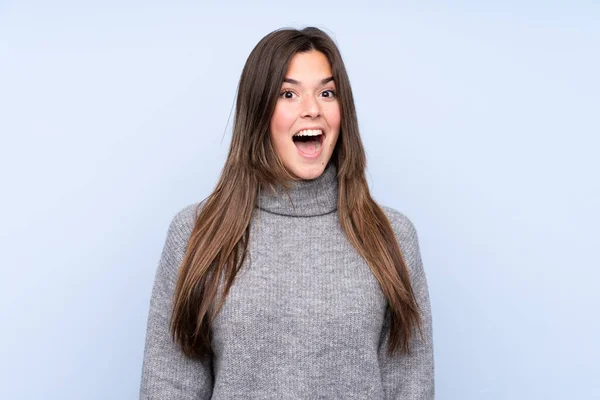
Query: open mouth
[(309, 142)]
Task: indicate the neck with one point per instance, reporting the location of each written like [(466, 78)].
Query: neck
[(306, 198)]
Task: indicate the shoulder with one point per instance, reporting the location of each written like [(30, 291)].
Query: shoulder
[(183, 221), (402, 225), (406, 234), (185, 216)]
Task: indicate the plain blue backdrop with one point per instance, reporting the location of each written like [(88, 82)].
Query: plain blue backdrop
[(480, 120)]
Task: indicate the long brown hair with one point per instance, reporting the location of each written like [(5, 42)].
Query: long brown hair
[(219, 240)]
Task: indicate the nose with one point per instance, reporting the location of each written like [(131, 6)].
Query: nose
[(310, 107)]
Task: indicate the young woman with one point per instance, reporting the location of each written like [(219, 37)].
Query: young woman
[(289, 281)]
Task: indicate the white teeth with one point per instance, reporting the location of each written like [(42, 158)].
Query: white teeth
[(309, 132)]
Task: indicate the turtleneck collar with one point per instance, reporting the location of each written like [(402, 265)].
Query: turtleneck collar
[(307, 198)]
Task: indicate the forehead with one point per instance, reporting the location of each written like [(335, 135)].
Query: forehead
[(309, 67)]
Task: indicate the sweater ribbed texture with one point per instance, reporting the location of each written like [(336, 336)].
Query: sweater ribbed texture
[(304, 319)]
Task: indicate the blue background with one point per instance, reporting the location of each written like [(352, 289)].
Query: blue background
[(480, 121)]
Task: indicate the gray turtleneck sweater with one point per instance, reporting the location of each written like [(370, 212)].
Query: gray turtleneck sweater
[(305, 317)]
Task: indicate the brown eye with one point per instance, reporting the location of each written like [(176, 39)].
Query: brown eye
[(287, 94), (331, 93)]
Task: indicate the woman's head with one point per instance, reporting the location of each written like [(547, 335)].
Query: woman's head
[(293, 80), (306, 122)]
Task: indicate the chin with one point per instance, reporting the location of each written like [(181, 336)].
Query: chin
[(307, 172)]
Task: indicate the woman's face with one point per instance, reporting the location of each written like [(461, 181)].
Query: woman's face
[(306, 123)]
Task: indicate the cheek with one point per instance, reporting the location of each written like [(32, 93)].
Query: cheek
[(334, 117), (282, 121)]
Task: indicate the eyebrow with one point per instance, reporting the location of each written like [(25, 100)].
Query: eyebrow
[(295, 82)]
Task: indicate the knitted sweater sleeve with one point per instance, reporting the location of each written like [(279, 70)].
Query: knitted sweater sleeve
[(166, 372), (409, 376)]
